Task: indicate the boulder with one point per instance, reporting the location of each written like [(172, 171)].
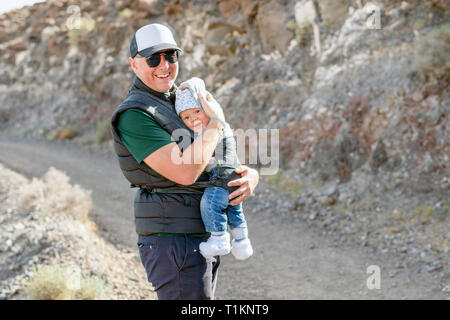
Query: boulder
[(271, 22), (305, 13), (219, 35)]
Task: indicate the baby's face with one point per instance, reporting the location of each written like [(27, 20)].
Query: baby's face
[(195, 119)]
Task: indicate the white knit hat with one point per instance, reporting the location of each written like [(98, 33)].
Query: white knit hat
[(188, 98)]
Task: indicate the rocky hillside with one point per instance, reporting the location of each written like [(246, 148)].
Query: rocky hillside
[(354, 87)]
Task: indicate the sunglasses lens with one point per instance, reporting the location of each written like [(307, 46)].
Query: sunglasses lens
[(155, 59), (171, 56)]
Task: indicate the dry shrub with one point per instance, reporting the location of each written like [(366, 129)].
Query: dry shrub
[(48, 283), (57, 282), (91, 288), (64, 134), (425, 136), (298, 140), (53, 194), (358, 117)]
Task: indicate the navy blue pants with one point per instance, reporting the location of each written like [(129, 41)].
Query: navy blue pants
[(176, 268)]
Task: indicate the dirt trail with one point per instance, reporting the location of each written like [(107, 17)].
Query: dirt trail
[(290, 260)]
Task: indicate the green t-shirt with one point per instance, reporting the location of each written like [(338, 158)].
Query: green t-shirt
[(141, 133)]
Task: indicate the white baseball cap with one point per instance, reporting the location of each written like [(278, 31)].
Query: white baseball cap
[(152, 38)]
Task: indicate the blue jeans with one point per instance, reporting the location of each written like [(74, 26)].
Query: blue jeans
[(216, 211)]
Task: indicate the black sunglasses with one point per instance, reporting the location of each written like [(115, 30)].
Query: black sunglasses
[(155, 59)]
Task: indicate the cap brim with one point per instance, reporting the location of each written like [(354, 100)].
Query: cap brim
[(163, 46)]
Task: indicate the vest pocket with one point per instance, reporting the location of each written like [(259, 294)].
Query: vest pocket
[(181, 206), (167, 212)]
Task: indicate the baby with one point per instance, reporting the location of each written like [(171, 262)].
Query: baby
[(215, 209)]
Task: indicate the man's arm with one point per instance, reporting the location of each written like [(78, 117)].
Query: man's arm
[(184, 168)]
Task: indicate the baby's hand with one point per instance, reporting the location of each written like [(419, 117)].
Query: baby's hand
[(211, 107)]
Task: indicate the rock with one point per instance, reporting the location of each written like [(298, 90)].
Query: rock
[(49, 32), (333, 12), (326, 201), (228, 8), (353, 33), (305, 13), (433, 114), (64, 134), (216, 37), (17, 45), (434, 266), (348, 153), (271, 22), (378, 156), (333, 190)]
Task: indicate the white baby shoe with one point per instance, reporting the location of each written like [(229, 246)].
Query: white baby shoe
[(216, 246), (241, 249)]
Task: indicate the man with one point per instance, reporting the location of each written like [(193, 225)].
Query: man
[(168, 170)]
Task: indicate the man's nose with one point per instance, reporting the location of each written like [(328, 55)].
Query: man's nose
[(163, 61)]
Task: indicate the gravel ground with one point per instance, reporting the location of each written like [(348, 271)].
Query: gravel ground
[(414, 229)]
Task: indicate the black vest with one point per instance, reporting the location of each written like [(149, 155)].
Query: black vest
[(160, 205)]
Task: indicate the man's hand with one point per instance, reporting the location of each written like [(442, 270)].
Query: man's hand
[(247, 184)]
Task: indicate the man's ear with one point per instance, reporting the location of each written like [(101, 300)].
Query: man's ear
[(133, 64)]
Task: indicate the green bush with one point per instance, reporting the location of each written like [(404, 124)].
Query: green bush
[(58, 282)]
